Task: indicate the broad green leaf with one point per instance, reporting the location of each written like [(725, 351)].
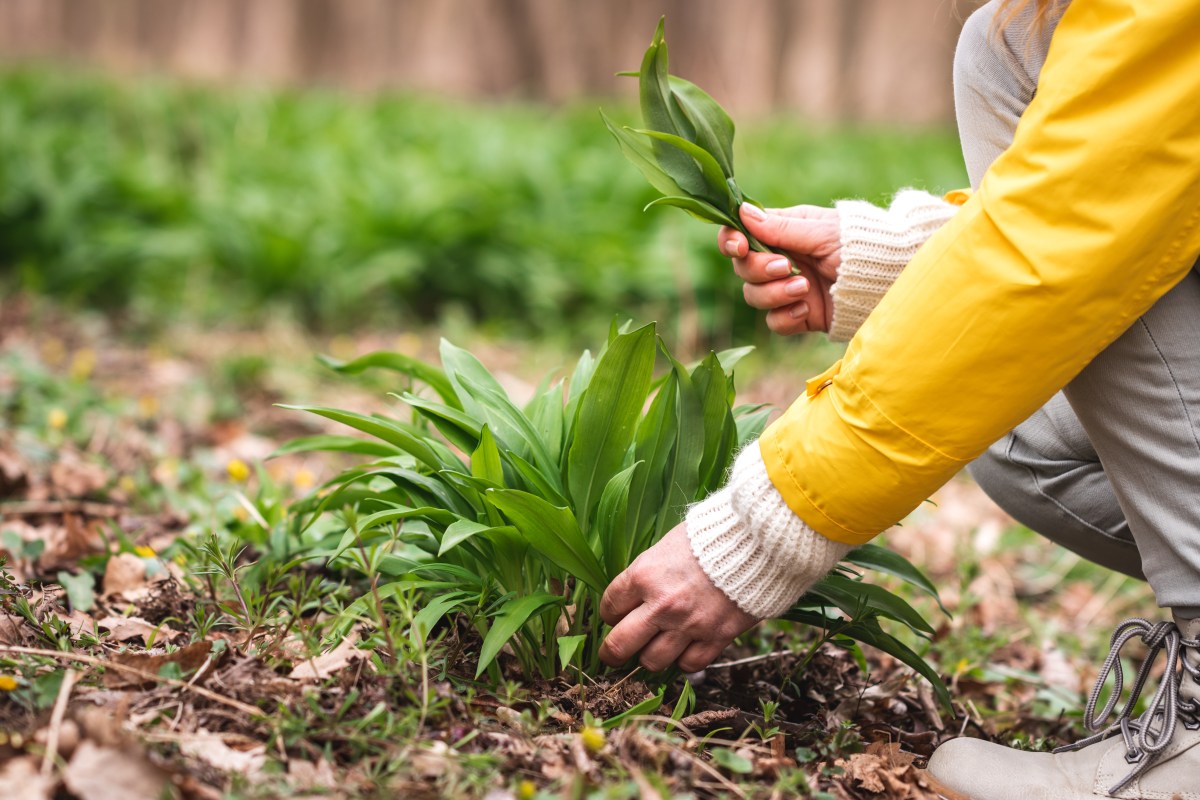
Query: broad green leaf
[(391, 432), (892, 563), (398, 362), (855, 598), (683, 469), (612, 532), (483, 397), (730, 358), (734, 762), (607, 418), (701, 210), (485, 461), (568, 648), (512, 616), (553, 532), (640, 152), (464, 529), (654, 445), (434, 610), (545, 411), (713, 127), (647, 706), (661, 114), (751, 421), (461, 429), (712, 388), (535, 481), (715, 188), (335, 444), (868, 631)]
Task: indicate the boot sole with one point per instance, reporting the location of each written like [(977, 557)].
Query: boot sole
[(945, 792)]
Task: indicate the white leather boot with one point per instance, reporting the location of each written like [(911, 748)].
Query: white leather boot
[(1156, 755)]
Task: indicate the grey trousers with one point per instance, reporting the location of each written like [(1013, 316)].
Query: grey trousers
[(1110, 467)]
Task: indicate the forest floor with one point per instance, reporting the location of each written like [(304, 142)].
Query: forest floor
[(131, 666)]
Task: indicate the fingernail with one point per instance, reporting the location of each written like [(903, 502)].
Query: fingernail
[(752, 211), (778, 267), (796, 286), (731, 248), (799, 310)]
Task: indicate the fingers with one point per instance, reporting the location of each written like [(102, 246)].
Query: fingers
[(792, 319), (663, 650), (794, 230), (762, 267), (629, 636), (776, 294), (621, 597), (699, 655), (732, 242)]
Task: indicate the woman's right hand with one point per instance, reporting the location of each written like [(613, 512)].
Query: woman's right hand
[(811, 239)]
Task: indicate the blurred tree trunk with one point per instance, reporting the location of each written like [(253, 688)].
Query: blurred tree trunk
[(827, 59)]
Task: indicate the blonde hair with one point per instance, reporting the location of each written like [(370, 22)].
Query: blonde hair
[(1013, 9)]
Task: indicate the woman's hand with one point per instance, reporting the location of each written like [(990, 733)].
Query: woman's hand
[(811, 238), (665, 607)]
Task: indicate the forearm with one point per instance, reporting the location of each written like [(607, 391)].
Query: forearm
[(876, 245), (1077, 229)]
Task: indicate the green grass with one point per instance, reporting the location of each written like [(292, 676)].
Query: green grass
[(162, 200)]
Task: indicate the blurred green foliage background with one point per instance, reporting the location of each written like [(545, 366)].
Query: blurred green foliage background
[(163, 201)]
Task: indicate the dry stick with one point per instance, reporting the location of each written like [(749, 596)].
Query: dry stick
[(245, 708), (29, 508), (751, 659), (620, 683), (56, 718)]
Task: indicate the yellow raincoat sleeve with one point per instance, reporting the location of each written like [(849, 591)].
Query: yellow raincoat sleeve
[(1077, 229)]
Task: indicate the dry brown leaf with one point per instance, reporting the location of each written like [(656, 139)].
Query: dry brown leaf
[(67, 543), (14, 475), (887, 770), (123, 572), (10, 629), (77, 621), (328, 663), (109, 773), (213, 751), (304, 775), (19, 780), (122, 629), (71, 477), (189, 658)]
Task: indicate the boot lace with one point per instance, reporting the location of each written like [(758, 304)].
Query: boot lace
[(1147, 736)]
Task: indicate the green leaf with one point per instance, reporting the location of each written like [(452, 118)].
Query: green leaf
[(335, 444), (434, 610), (732, 761), (612, 532), (662, 114), (751, 421), (683, 469), (462, 430), (715, 187), (512, 616), (639, 150), (855, 598), (391, 432), (653, 446), (398, 362), (553, 532), (700, 209), (464, 529), (892, 563), (485, 461), (607, 418), (568, 648), (647, 706), (484, 398), (81, 590), (714, 129), (713, 389)]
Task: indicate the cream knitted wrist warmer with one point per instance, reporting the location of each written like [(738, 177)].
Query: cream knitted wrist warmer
[(877, 244), (752, 546)]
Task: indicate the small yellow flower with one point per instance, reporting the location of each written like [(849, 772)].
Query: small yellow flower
[(593, 739), (56, 419), (147, 405), (144, 551), (83, 363), (240, 514), (237, 470), (526, 790), (303, 479), (7, 683), (127, 484)]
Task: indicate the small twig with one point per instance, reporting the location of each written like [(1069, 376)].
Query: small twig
[(245, 708), (56, 719), (620, 683), (751, 660)]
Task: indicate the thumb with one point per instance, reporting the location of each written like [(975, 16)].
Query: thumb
[(795, 234)]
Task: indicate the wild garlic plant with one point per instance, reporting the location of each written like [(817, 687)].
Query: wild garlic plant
[(517, 517)]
